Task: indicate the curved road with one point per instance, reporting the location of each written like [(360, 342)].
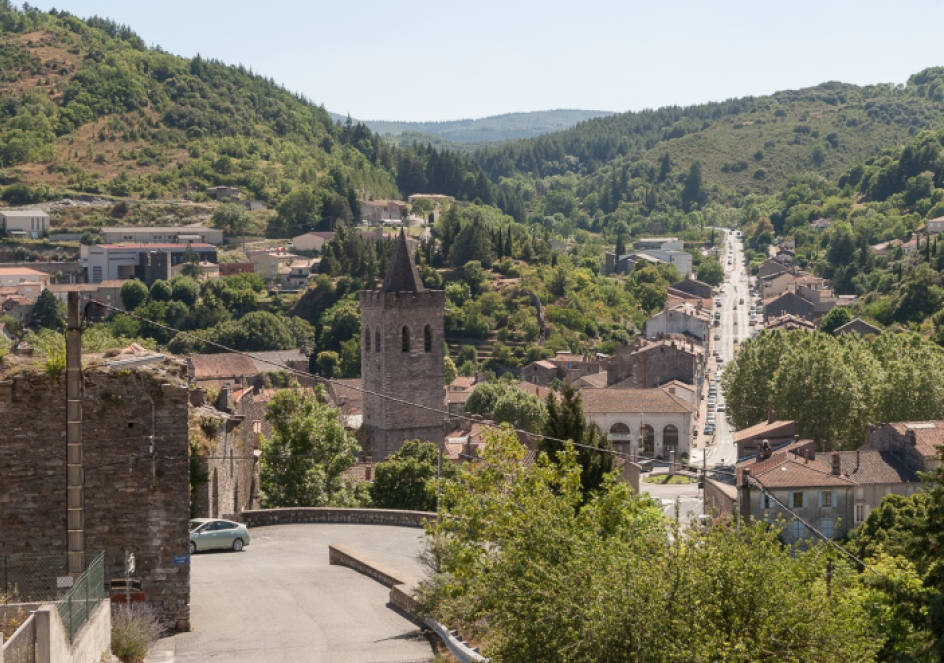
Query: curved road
[(279, 600)]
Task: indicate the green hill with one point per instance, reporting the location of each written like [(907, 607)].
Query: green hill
[(86, 107), (754, 143), (510, 126)]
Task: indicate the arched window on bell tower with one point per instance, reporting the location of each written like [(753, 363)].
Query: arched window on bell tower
[(377, 340), (366, 339), (427, 339), (405, 339)]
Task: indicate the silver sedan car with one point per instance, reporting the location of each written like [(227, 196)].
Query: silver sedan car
[(217, 534)]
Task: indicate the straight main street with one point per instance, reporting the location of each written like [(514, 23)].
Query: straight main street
[(735, 327)]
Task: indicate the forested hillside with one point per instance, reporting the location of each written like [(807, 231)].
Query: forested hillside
[(85, 106), (510, 126), (754, 143)]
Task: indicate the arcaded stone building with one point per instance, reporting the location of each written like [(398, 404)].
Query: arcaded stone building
[(402, 329)]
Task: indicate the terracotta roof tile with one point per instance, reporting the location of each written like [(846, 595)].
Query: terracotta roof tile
[(599, 401), (780, 428), (217, 366)]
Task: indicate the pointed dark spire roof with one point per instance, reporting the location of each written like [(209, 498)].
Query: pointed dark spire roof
[(401, 274)]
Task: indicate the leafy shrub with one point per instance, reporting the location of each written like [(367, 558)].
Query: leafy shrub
[(134, 629)]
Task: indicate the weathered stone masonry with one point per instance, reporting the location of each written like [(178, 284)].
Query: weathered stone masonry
[(135, 500)]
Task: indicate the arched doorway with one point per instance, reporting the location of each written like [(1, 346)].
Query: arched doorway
[(670, 440), (648, 435), (620, 436)]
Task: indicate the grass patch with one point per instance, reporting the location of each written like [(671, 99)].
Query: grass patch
[(665, 478)]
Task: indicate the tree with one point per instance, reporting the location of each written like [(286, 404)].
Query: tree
[(231, 218), (185, 289), (409, 478), (329, 363), (305, 459), (472, 243), (48, 311), (693, 190), (835, 319), (566, 421), (620, 246), (538, 579), (133, 293), (710, 271), (161, 291), (191, 268), (505, 402), (299, 211)]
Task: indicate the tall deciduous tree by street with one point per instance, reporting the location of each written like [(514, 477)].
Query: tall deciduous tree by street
[(305, 459), (834, 387), (566, 421), (710, 271)]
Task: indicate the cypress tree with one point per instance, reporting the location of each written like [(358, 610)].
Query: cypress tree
[(508, 244), (566, 421)]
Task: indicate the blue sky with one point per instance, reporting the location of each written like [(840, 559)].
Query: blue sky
[(429, 60)]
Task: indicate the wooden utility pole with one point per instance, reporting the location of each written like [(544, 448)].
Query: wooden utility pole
[(75, 472)]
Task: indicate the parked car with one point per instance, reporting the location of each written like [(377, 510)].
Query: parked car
[(719, 359), (720, 407), (217, 534), (717, 337)]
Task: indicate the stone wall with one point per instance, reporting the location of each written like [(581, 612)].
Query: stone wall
[(136, 500), (229, 442), (285, 516)]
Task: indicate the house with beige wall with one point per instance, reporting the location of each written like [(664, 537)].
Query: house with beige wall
[(647, 422), (33, 222)]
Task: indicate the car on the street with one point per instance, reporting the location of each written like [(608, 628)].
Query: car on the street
[(719, 359), (717, 337), (720, 408), (217, 534)]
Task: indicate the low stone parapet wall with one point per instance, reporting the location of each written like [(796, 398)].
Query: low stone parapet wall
[(263, 517)]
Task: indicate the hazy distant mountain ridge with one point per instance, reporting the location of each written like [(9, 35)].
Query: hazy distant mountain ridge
[(510, 126)]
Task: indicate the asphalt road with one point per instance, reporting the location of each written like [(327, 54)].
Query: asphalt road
[(279, 600), (735, 325), (686, 496)]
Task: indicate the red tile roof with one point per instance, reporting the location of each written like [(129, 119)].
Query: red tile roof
[(601, 401), (227, 365)]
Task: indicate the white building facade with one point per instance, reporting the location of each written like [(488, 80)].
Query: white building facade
[(681, 319), (33, 222)]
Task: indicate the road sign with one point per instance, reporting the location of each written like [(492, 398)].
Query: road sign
[(181, 560)]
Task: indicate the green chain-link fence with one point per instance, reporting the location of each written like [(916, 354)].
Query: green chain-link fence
[(83, 597)]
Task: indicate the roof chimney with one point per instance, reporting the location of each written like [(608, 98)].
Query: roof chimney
[(911, 437), (765, 451), (836, 464), (771, 416), (857, 459)]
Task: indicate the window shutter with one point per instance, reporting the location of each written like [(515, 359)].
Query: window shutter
[(805, 499), (821, 499)]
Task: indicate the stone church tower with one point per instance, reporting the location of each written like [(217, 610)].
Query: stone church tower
[(402, 329)]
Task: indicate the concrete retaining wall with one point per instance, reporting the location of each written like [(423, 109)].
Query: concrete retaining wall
[(92, 642), (402, 595), (262, 517)]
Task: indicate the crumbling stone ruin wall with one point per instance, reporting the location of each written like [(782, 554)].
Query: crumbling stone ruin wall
[(136, 497)]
